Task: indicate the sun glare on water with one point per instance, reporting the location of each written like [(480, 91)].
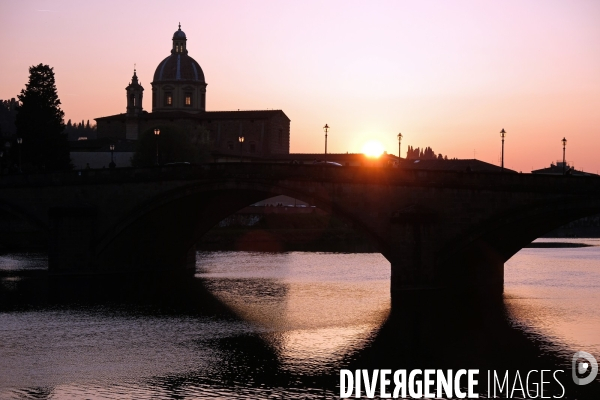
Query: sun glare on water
[(372, 148)]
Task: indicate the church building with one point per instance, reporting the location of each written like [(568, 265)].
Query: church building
[(179, 100)]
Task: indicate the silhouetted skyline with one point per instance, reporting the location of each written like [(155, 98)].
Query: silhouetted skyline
[(446, 75)]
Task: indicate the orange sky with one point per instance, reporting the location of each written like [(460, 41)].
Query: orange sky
[(449, 75)]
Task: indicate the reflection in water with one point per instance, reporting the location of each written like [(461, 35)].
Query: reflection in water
[(261, 325), (312, 307), (23, 262), (557, 291)]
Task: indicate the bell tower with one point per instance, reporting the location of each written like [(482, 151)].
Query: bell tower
[(135, 92)]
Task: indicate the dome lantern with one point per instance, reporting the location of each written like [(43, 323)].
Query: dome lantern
[(179, 40)]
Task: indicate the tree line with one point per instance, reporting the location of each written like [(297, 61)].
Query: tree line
[(8, 113), (423, 154), (82, 129)]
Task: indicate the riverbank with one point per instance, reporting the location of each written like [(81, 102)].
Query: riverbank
[(555, 245), (286, 232)]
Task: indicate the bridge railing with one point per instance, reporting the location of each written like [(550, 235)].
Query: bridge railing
[(272, 172)]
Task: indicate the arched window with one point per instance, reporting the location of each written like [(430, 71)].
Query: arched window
[(188, 99), (168, 99)]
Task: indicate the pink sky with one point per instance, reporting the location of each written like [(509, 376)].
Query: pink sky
[(449, 75)]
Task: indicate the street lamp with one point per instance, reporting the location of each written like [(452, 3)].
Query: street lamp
[(112, 159), (19, 142), (502, 135), (326, 129), (156, 133), (564, 142), (241, 140), (399, 142)]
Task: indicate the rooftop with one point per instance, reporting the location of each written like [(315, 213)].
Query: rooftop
[(561, 168), (201, 115)]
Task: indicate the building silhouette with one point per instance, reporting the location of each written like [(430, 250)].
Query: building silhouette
[(560, 168), (179, 100)]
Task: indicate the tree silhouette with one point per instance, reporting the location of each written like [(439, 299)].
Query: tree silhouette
[(40, 123), (76, 130), (423, 154), (8, 113)]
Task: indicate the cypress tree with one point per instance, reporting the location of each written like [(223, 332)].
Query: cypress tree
[(40, 123)]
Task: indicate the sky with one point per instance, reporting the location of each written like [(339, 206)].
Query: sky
[(445, 74)]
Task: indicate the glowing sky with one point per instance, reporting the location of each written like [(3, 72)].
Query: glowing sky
[(447, 74)]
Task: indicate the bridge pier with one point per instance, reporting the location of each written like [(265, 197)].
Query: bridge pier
[(73, 240), (71, 244), (404, 286), (475, 272)]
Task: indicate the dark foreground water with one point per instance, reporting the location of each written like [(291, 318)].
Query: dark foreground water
[(280, 326)]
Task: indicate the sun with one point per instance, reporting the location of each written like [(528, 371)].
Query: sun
[(372, 148)]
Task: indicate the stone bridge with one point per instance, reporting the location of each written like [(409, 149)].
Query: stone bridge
[(438, 229)]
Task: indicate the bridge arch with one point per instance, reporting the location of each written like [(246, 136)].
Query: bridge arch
[(167, 226), (513, 230), (20, 228), (483, 250)]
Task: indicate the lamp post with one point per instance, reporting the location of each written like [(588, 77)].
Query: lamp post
[(112, 159), (502, 135), (241, 140), (399, 142), (326, 129), (564, 142), (156, 133), (19, 142)]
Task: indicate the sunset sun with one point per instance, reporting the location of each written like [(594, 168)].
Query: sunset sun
[(372, 148)]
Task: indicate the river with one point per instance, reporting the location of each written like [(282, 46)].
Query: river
[(280, 326)]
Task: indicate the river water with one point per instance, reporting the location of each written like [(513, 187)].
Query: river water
[(279, 326)]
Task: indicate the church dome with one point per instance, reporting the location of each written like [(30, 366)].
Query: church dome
[(178, 67), (178, 83)]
